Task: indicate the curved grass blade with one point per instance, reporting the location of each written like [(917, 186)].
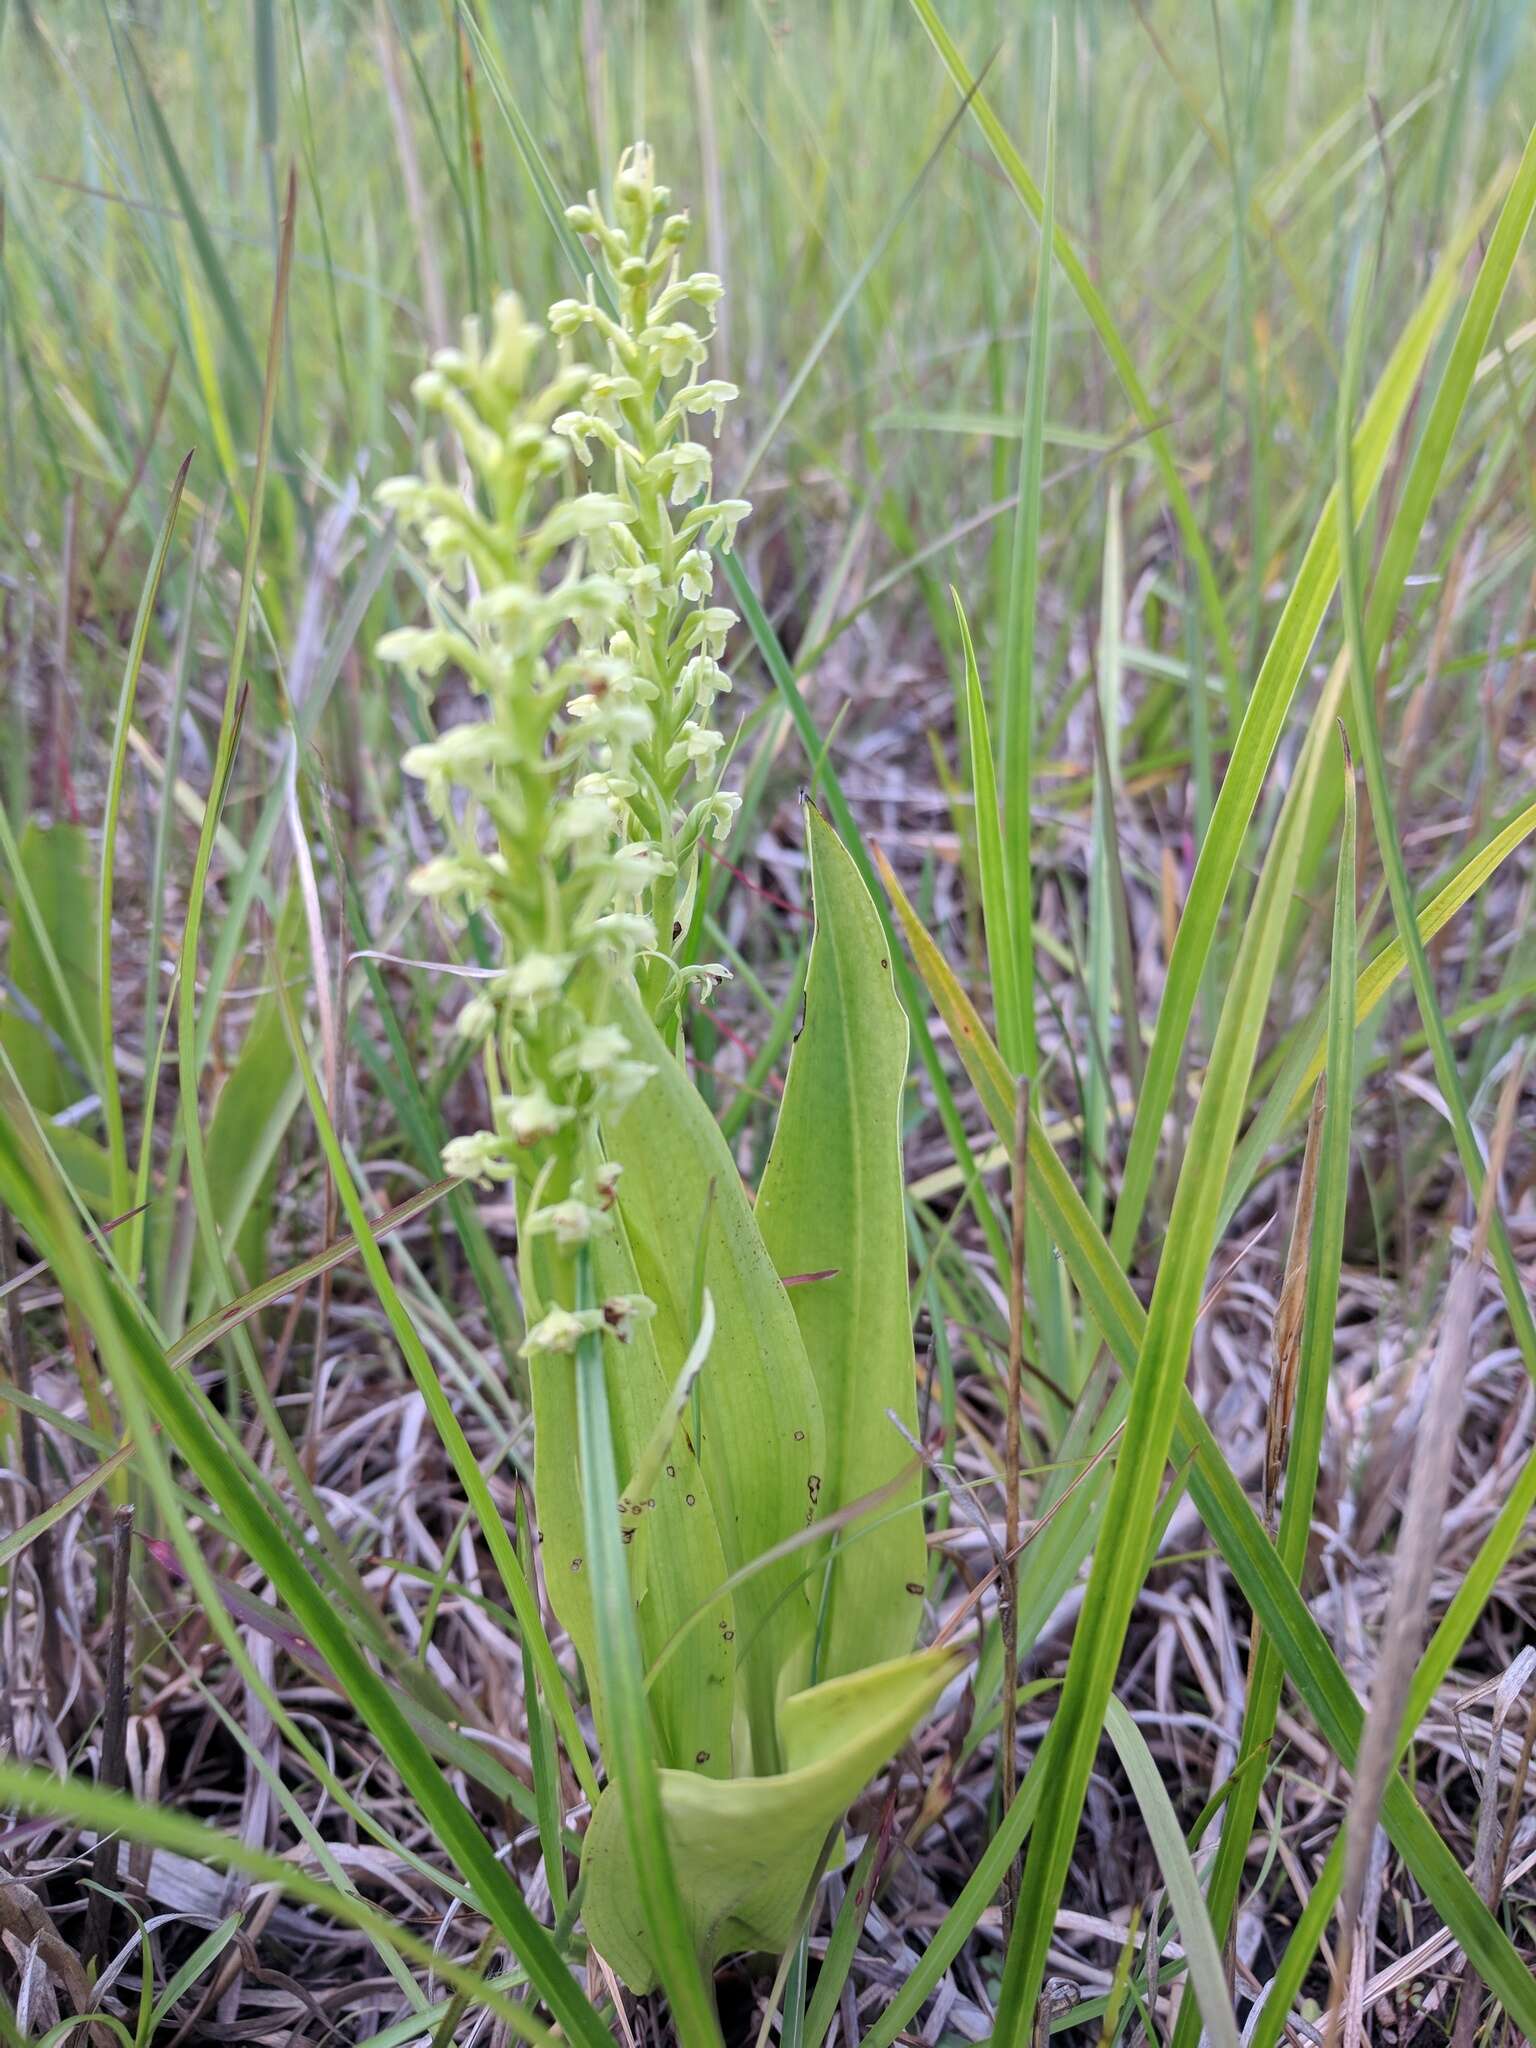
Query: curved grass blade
[(476, 1488), (1281, 670), (111, 1092), (223, 770), (151, 1393), (1510, 1530), (1016, 701), (980, 1889), (292, 1278), (1367, 631), (89, 1806), (1308, 1057), (1201, 1949), (1308, 1658), (1157, 1389), (1314, 1367), (1092, 302)]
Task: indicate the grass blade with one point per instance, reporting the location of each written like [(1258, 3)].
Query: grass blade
[(161, 1827), (1324, 1257), (1201, 1949), (1017, 682), (999, 911), (1308, 1658), (1156, 1394), (1367, 637), (1279, 675), (471, 1478), (112, 1099), (1089, 296)]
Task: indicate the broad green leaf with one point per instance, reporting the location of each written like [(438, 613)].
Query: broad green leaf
[(746, 1849), (87, 1163), (671, 1538), (831, 1202), (777, 663), (255, 1107), (51, 965), (671, 1948), (761, 1442)]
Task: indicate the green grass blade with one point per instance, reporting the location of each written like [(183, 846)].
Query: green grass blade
[(153, 1393), (476, 1488), (846, 298), (1268, 707), (293, 1278), (112, 1098), (1130, 1509), (1308, 1659), (633, 1765), (1201, 1949), (1511, 1529), (832, 1973), (1016, 684), (981, 1887), (96, 1807), (1004, 947), (1092, 301), (223, 770), (1308, 1057), (1324, 1258), (1104, 899), (1367, 635)]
